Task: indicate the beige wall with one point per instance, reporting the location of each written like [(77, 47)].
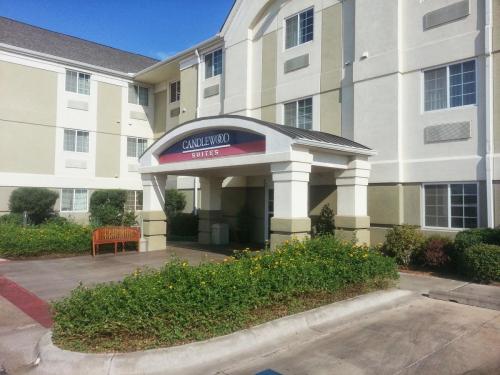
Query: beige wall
[(108, 143), (331, 48), (269, 75), (4, 198), (189, 93), (331, 112), (496, 198), (28, 102), (160, 121), (496, 101)]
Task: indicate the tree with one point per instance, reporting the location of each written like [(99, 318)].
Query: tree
[(325, 223), (38, 203), (175, 202)]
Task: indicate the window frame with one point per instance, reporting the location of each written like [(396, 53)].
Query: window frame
[(448, 202), (136, 199), (76, 131), (136, 140), (296, 101), (73, 201), (448, 86), (138, 96), (297, 14), (212, 73), (177, 92), (77, 82)]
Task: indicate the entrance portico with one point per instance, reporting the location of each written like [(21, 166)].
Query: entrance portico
[(216, 149)]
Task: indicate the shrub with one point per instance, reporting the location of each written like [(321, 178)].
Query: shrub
[(181, 303), (49, 238), (470, 237), (37, 202), (436, 252), (325, 223), (185, 225), (16, 219), (107, 207), (481, 263), (175, 202), (404, 243)]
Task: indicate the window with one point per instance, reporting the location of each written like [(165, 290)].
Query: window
[(78, 82), (299, 114), (175, 92), (299, 28), (451, 205), (136, 146), (76, 140), (134, 201), (138, 95), (450, 86), (213, 64), (74, 200)]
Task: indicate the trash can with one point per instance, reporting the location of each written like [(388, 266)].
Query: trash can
[(220, 234)]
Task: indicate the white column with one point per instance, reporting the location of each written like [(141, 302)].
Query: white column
[(291, 201), (153, 200), (211, 207), (352, 220)]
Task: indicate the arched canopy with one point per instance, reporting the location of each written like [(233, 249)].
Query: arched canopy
[(236, 145)]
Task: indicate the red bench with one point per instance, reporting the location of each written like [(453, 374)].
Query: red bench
[(114, 235)]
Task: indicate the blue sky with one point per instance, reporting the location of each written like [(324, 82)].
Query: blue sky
[(153, 28)]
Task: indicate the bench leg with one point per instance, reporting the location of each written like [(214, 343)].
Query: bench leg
[(116, 247), (123, 247), (93, 250), (138, 246)]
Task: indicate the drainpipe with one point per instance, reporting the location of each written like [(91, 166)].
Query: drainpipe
[(196, 179), (488, 46)]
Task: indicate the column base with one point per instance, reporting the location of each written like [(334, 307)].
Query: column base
[(155, 230), (353, 228), (289, 229), (206, 220)]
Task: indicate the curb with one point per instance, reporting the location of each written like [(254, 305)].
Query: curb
[(466, 299), (216, 351)]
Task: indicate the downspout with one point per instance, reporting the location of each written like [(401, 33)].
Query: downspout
[(488, 47), (196, 179)]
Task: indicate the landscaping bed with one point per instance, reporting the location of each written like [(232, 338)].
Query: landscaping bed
[(179, 303)]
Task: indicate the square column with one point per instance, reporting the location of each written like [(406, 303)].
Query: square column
[(210, 211), (291, 202), (352, 220), (153, 214)]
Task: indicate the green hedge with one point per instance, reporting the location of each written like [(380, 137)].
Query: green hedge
[(181, 303), (470, 237), (481, 263), (57, 237)]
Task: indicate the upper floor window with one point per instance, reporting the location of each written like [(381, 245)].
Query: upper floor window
[(299, 114), (450, 86), (175, 92), (136, 146), (299, 28), (76, 140), (451, 205), (78, 82), (74, 200), (213, 63), (138, 95)]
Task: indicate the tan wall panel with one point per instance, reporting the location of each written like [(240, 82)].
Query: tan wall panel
[(269, 68), (109, 108), (496, 101), (411, 204), (496, 25), (160, 123), (26, 148), (107, 155), (331, 48), (496, 198), (383, 204), (320, 195), (268, 113), (4, 198), (27, 94), (331, 113), (189, 93)]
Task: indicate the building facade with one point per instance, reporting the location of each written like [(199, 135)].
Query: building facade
[(417, 81)]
